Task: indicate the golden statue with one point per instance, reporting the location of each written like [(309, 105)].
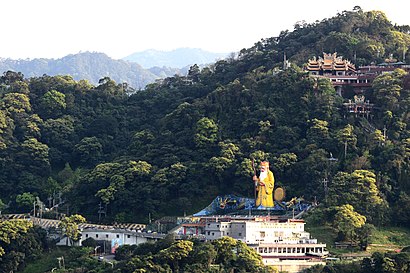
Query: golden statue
[(264, 185)]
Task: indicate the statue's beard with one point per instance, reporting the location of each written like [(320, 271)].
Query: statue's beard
[(263, 175)]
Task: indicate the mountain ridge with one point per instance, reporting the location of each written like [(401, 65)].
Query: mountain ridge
[(94, 66), (178, 58)]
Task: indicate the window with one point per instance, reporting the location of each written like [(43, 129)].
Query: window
[(118, 236), (96, 235), (106, 235), (239, 234), (213, 234), (86, 236), (128, 236), (209, 233)]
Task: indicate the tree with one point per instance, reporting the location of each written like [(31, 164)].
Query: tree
[(358, 189), (204, 253), (347, 221), (176, 252), (364, 234), (3, 122), (12, 230), (225, 247), (53, 103), (228, 153), (318, 131), (16, 103), (194, 72), (284, 161), (206, 132), (387, 88), (2, 206), (89, 242), (248, 259), (89, 150), (10, 77), (117, 183), (36, 153), (171, 179), (401, 209), (234, 254), (347, 137), (25, 201), (69, 225)]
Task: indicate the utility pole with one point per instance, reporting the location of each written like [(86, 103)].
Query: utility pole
[(328, 172), (384, 133), (34, 211), (325, 186), (100, 211)]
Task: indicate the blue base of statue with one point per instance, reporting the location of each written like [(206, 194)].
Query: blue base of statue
[(231, 204)]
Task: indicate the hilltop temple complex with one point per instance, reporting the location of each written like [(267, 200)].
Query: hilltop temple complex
[(342, 73), (345, 77)]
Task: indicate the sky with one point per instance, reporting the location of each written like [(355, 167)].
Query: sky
[(118, 28)]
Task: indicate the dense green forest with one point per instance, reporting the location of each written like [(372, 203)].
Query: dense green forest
[(174, 146)]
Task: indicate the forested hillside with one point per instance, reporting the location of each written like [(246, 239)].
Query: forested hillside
[(174, 146), (90, 66)]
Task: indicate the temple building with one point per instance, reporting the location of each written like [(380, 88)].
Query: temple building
[(359, 106), (330, 64), (343, 74)]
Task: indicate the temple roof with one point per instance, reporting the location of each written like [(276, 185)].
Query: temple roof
[(330, 62)]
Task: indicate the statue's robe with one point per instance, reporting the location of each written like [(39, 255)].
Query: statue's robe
[(265, 192)]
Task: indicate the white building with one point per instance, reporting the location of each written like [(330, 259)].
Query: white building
[(284, 244), (113, 238)]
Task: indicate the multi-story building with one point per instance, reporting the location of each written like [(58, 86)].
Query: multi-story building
[(330, 64), (281, 243)]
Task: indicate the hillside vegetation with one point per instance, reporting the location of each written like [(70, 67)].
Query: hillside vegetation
[(90, 66), (174, 146)]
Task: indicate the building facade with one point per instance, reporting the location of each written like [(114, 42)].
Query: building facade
[(281, 243)]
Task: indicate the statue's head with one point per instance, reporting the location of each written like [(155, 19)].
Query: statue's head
[(264, 166)]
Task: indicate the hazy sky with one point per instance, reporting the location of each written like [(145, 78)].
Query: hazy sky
[(55, 28)]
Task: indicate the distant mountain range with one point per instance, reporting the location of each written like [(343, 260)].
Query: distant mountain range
[(94, 66), (177, 58)]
